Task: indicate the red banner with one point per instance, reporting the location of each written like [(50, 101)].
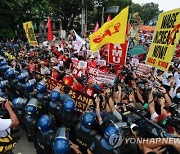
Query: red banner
[(82, 100), (117, 53), (147, 28)]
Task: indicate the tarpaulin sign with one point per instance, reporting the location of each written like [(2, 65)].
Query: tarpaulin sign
[(82, 65), (82, 100), (142, 69), (101, 77), (28, 27), (165, 39), (102, 62), (117, 53)]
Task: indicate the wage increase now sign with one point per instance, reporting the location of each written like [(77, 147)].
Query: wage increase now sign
[(165, 39), (28, 27)]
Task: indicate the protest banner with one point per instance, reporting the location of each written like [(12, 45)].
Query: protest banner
[(28, 27), (82, 65), (142, 69), (82, 100), (113, 31), (117, 53), (102, 62), (101, 77), (147, 28), (165, 39)]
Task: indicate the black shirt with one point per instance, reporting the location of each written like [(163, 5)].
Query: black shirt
[(67, 63)]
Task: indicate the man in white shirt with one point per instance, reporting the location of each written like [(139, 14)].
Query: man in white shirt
[(44, 70), (6, 124)]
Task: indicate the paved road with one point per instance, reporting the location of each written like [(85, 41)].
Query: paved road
[(23, 146)]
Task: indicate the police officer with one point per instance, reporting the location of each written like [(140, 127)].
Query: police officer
[(54, 106), (62, 144), (45, 135), (112, 137), (84, 131), (11, 76), (42, 97), (22, 77), (30, 119), (68, 118), (29, 88), (19, 104)]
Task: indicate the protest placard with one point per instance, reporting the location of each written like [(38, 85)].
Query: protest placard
[(28, 27), (165, 39)]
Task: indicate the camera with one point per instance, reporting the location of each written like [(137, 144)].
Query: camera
[(127, 89), (141, 81), (158, 94)]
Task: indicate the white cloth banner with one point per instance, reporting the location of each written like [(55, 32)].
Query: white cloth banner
[(79, 42)]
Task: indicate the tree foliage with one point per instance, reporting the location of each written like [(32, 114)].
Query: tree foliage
[(14, 13), (67, 10), (150, 11)]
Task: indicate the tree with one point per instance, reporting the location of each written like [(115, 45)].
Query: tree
[(150, 11), (68, 10), (14, 13)]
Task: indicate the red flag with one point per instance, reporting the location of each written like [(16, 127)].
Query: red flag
[(107, 45), (96, 27), (50, 32), (109, 18)]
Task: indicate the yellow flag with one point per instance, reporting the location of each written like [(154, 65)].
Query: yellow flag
[(30, 33), (113, 31)]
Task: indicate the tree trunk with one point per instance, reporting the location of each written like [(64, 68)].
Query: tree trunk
[(64, 24), (70, 26)]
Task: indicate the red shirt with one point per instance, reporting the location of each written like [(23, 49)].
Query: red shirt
[(55, 75), (77, 87), (68, 80)]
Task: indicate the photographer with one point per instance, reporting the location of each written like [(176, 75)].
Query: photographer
[(5, 125)]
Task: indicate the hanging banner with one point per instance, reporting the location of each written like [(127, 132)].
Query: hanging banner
[(165, 39), (28, 27), (117, 53)]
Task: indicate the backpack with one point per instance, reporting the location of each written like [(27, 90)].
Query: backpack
[(7, 143)]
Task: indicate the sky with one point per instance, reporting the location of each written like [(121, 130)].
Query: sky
[(165, 5)]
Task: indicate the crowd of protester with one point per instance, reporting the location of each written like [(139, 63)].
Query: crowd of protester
[(154, 93)]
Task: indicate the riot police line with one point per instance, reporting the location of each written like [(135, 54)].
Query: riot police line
[(50, 121)]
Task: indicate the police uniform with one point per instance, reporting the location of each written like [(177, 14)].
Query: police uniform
[(54, 110), (69, 121), (44, 142), (84, 137), (101, 146), (30, 123)]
